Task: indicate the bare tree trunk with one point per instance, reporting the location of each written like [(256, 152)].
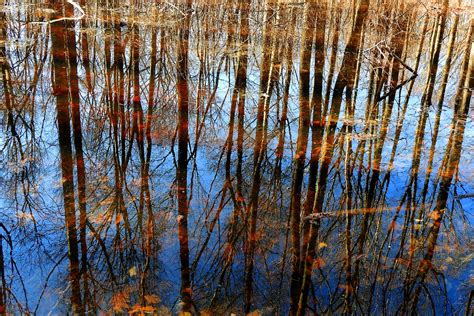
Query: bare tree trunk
[(258, 154), (288, 49), (79, 152), (182, 168), (244, 40), (61, 91), (145, 170), (345, 79), (410, 193), (317, 131), (3, 294), (237, 104), (401, 116), (441, 95), (426, 99), (386, 117), (336, 11), (300, 155), (451, 158), (85, 50)]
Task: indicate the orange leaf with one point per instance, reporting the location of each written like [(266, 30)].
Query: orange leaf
[(119, 301), (118, 218), (152, 299), (318, 263)]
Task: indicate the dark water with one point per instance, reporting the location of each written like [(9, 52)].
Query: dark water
[(232, 157)]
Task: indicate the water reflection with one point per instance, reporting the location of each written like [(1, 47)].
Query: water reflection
[(235, 157)]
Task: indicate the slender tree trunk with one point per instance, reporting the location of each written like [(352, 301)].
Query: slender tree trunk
[(85, 50), (242, 82), (300, 155), (61, 91), (410, 194), (451, 158), (3, 294), (376, 165), (426, 99), (182, 168), (345, 79), (258, 154), (336, 11), (317, 131), (145, 170), (401, 116), (77, 136), (288, 48), (441, 95)]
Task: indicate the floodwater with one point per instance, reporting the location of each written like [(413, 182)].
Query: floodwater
[(245, 156)]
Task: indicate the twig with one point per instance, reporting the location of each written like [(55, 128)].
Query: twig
[(464, 196), (75, 5), (46, 282)]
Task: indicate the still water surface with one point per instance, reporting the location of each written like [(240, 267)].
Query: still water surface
[(232, 157)]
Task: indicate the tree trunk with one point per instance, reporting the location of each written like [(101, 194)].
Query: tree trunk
[(61, 91), (79, 152), (182, 167), (258, 155), (300, 155), (344, 79)]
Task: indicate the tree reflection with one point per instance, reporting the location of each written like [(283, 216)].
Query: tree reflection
[(236, 157)]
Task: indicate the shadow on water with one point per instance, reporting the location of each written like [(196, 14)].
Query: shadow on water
[(213, 157)]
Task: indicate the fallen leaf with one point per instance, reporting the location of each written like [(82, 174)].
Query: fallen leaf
[(318, 263), (119, 301), (118, 218), (152, 299)]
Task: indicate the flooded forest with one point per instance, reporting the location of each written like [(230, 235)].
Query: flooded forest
[(213, 157)]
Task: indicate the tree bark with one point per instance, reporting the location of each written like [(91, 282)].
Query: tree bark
[(182, 166), (61, 92)]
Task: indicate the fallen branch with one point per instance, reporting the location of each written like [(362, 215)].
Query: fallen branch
[(404, 82), (464, 196), (75, 5), (356, 211)]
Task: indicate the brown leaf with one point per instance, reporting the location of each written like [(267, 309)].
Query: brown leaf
[(152, 299), (318, 263), (119, 301)]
